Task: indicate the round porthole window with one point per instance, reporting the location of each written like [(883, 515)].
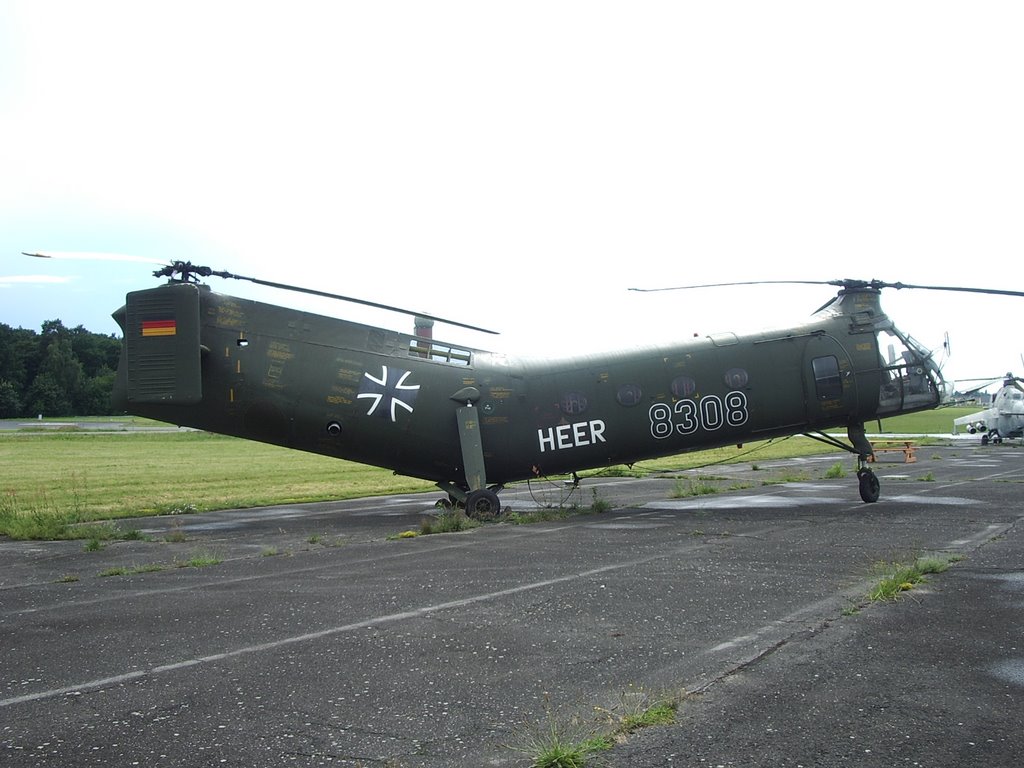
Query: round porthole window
[(735, 378), (573, 404), (683, 386), (628, 395)]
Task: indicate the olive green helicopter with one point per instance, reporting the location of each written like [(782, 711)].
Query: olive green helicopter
[(473, 421)]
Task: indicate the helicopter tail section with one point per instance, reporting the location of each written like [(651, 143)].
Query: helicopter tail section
[(162, 350)]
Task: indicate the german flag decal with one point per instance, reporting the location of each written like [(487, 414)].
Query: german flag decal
[(159, 327)]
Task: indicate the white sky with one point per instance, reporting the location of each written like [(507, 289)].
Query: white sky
[(520, 165)]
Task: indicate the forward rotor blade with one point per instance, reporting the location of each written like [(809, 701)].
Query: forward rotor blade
[(957, 288), (727, 285), (846, 284), (364, 302)]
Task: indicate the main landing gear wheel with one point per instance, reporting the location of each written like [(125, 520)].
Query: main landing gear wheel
[(483, 504), (869, 485)]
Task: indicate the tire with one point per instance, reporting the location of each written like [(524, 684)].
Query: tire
[(483, 504), (869, 486)]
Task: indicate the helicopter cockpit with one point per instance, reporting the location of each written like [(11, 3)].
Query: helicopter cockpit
[(911, 379)]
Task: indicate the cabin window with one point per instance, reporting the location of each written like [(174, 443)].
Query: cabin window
[(826, 378), (736, 378), (573, 403), (683, 386), (628, 395), (429, 349)]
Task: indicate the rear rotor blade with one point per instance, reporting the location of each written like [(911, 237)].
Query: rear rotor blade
[(187, 271), (339, 297)]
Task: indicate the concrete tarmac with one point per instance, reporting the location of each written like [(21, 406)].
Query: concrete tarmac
[(313, 635)]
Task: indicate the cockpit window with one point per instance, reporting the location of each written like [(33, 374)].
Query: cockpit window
[(910, 379)]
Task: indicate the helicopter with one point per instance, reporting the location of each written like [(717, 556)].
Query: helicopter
[(1004, 420), (472, 421)]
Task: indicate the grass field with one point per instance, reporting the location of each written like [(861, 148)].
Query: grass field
[(49, 480)]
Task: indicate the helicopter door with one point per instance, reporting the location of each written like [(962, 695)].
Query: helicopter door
[(161, 341), (831, 389)]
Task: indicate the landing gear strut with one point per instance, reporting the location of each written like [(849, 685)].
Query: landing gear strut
[(867, 481), (991, 437), (480, 504)]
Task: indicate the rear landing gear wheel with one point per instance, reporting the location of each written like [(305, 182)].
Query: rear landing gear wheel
[(869, 485), (483, 504)]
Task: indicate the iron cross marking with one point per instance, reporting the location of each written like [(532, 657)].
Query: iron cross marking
[(388, 393)]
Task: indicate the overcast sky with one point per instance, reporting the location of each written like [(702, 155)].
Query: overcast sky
[(520, 165)]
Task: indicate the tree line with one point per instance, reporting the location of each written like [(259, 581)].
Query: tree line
[(56, 372)]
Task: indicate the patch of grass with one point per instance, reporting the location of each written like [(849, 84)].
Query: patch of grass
[(38, 517), (598, 505), (928, 478), (553, 744), (898, 578), (685, 488), (175, 536), (639, 709), (456, 520), (131, 570), (200, 560), (622, 470), (836, 471), (450, 521), (794, 477), (572, 742), (223, 472), (32, 517), (543, 515)]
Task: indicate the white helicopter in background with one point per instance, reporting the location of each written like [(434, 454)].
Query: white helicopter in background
[(1003, 420)]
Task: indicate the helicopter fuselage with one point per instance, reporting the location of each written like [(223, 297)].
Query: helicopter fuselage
[(469, 418)]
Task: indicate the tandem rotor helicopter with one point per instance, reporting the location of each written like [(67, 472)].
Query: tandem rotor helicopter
[(1004, 420), (473, 421)]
